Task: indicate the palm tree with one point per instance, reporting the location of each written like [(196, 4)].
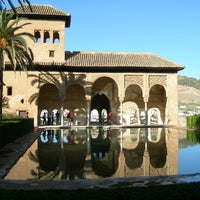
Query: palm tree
[(21, 2), (14, 46)]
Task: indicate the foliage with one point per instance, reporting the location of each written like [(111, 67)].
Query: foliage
[(193, 121), (11, 129), (10, 116), (187, 81), (13, 45), (10, 2), (174, 191), (193, 136)]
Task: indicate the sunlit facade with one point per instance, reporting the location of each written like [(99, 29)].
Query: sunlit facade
[(96, 88)]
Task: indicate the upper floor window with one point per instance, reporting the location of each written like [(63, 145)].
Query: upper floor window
[(56, 37), (51, 53), (9, 90), (46, 37), (37, 36)]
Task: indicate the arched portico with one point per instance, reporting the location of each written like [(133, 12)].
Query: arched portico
[(105, 101), (132, 105), (157, 104), (117, 75), (48, 101), (75, 102), (100, 108)]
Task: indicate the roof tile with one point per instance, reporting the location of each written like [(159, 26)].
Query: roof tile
[(40, 9), (115, 59)]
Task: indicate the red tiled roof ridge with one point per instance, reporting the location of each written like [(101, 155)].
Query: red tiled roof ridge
[(112, 59), (109, 52), (43, 11), (40, 9)]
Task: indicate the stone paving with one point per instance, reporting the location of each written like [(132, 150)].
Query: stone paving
[(13, 151)]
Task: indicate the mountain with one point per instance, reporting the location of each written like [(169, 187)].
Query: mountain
[(188, 91), (188, 98)]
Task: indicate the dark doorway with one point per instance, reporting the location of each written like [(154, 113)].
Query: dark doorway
[(101, 104)]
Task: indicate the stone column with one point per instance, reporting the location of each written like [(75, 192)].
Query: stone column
[(146, 159), (88, 97), (121, 110), (88, 112), (166, 112), (146, 109), (61, 115), (146, 163)]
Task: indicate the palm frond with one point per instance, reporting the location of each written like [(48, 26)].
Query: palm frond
[(15, 45), (20, 2)]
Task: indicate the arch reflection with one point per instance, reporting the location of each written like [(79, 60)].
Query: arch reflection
[(101, 152)]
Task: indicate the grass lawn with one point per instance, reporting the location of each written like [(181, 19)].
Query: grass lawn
[(176, 191)]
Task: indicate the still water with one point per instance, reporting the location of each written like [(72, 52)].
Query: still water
[(103, 152)]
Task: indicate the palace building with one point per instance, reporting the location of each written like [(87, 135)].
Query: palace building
[(86, 88)]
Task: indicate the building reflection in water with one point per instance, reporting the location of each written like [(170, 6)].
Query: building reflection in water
[(98, 153)]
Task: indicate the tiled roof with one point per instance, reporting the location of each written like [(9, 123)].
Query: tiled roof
[(43, 11), (112, 59)]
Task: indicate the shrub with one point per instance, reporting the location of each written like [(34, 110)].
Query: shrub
[(193, 121), (11, 129)]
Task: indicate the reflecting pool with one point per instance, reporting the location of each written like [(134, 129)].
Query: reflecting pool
[(101, 152)]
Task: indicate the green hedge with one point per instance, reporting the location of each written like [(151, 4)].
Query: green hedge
[(11, 129), (193, 122), (193, 136), (186, 191)]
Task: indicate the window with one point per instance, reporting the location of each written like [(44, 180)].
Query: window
[(9, 91), (51, 53), (23, 113), (46, 37), (37, 36), (56, 37)]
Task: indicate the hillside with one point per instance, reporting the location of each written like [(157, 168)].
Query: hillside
[(188, 98), (190, 82), (188, 91)]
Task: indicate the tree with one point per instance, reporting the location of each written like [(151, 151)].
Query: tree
[(21, 2), (14, 46)]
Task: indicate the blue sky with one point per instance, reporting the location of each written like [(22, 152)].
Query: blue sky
[(168, 28)]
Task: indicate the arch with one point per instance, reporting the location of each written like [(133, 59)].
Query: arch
[(55, 117), (106, 86), (133, 148), (154, 134), (49, 100), (154, 116), (101, 104), (131, 138), (75, 155), (134, 93), (49, 97), (46, 37), (75, 102), (104, 155), (104, 115), (56, 37), (130, 113), (44, 117), (157, 99), (37, 36), (133, 100), (158, 150), (106, 89), (48, 151), (94, 116)]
